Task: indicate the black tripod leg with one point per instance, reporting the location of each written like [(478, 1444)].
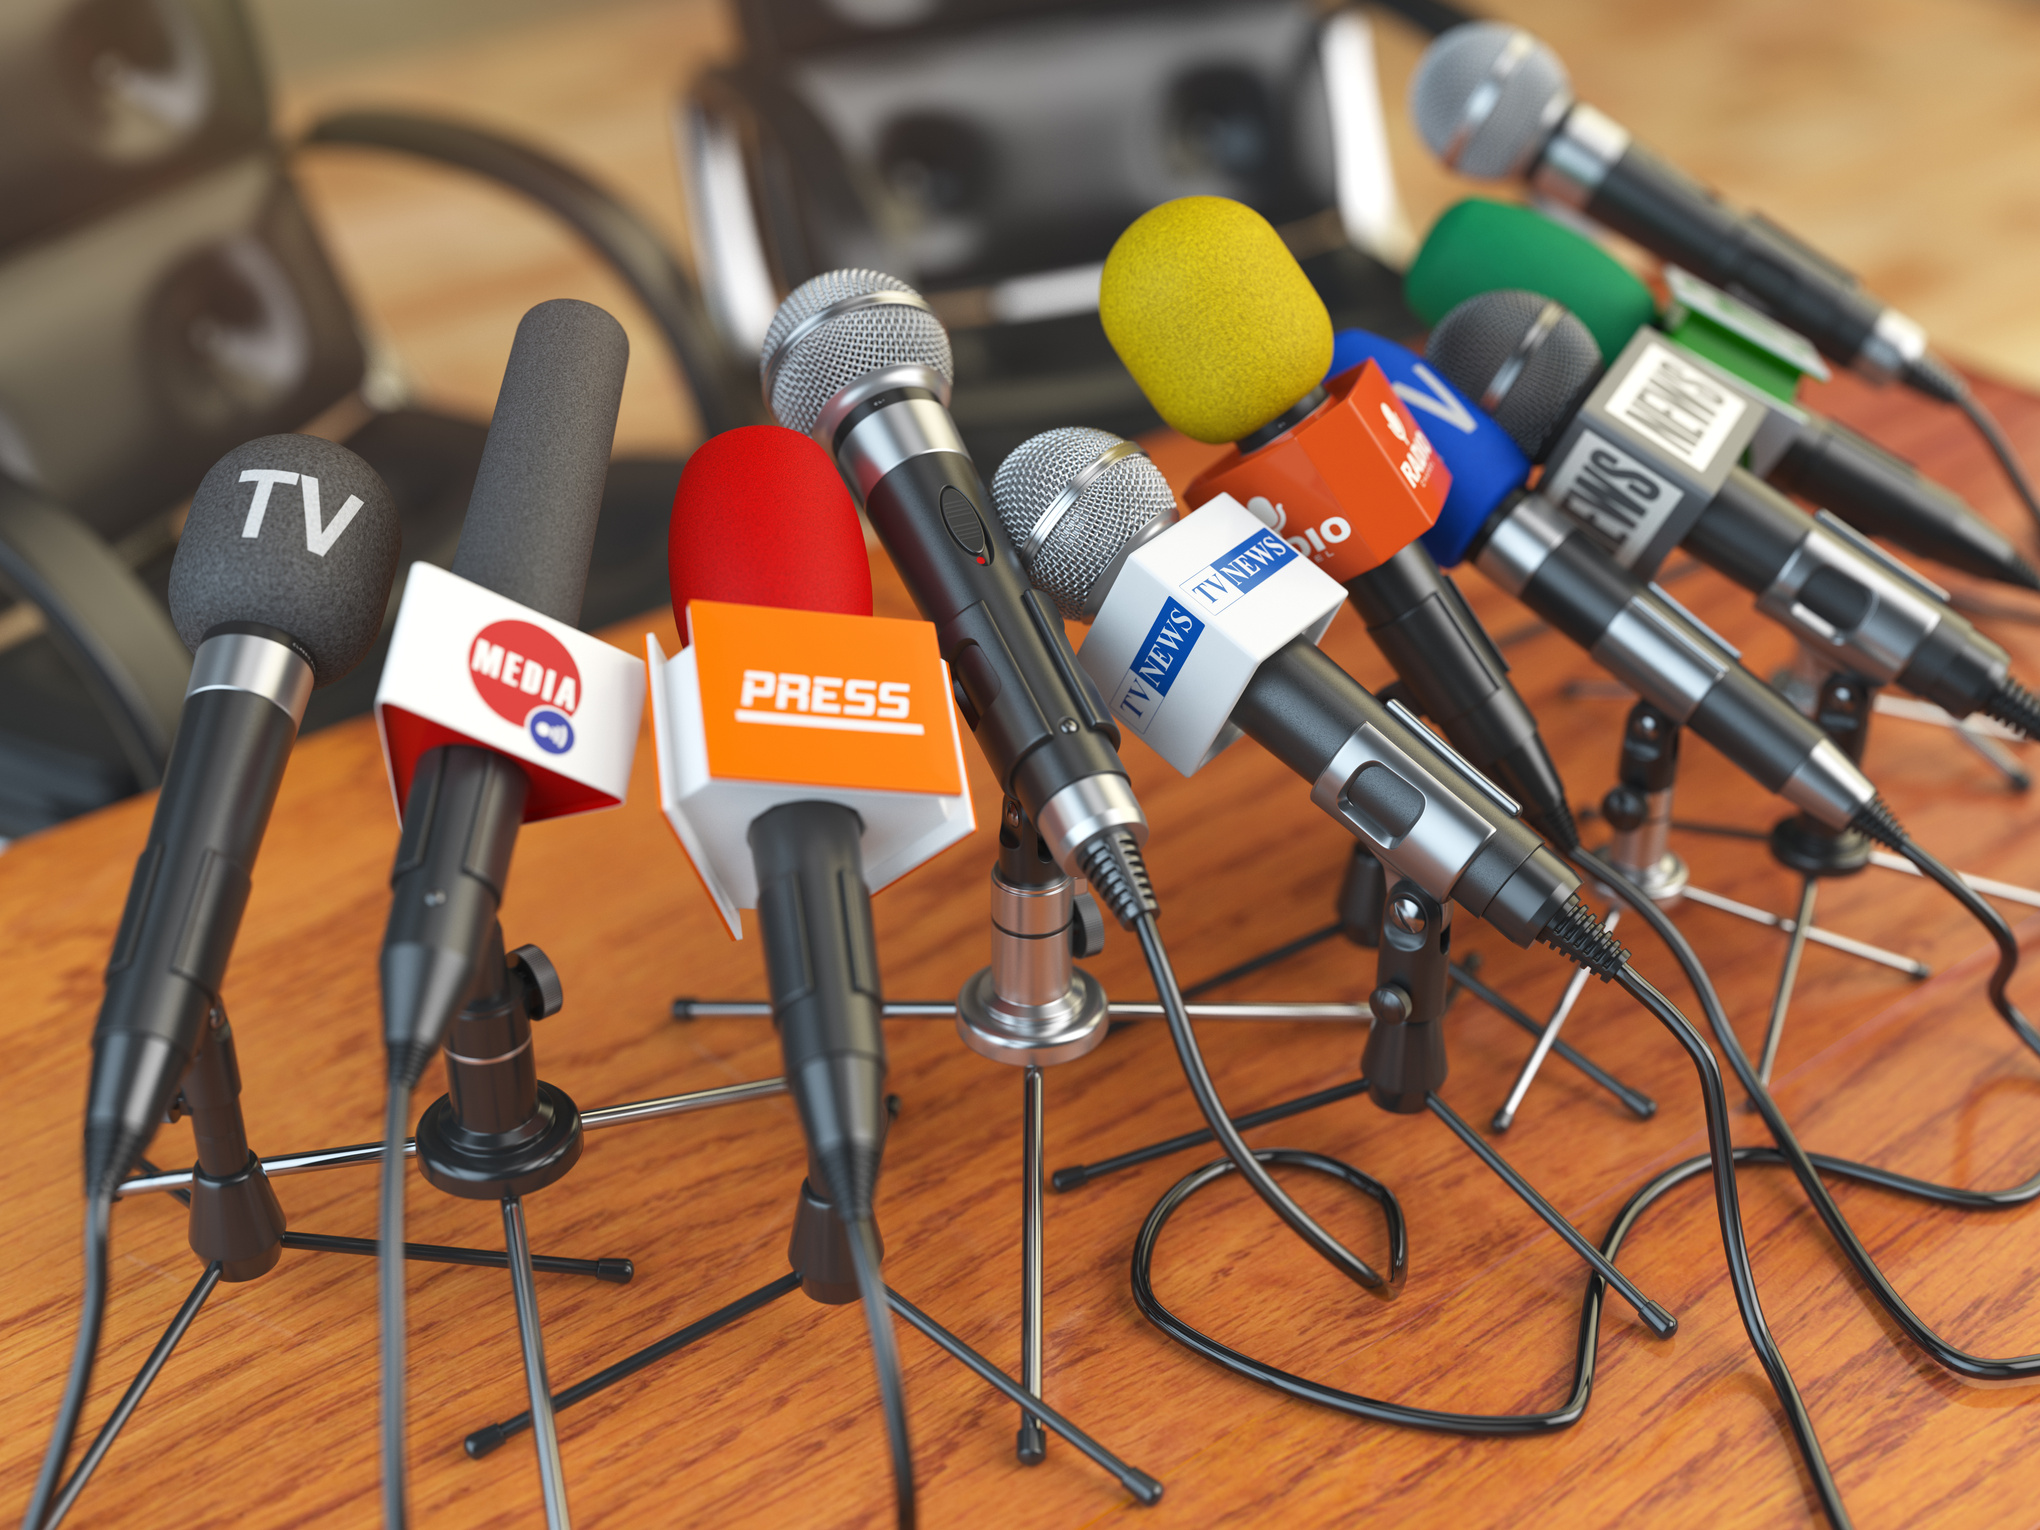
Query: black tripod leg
[(1781, 1001), (616, 1271), (1655, 1318), (1134, 1480), (531, 1339), (132, 1397), (486, 1439), (1032, 1445), (1083, 1173)]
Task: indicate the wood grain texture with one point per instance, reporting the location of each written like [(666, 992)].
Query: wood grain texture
[(265, 1417)]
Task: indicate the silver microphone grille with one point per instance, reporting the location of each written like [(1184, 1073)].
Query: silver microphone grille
[(838, 328), (1100, 496), (1485, 96)]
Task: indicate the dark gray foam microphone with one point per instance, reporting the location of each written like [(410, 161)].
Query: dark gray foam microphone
[(529, 533), (279, 584), (530, 527)]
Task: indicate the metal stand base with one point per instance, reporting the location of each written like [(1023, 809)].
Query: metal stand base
[(816, 1240), (1032, 1036)]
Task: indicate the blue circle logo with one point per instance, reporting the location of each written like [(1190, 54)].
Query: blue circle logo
[(551, 730)]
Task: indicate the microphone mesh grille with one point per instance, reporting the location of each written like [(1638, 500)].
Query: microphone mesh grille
[(1471, 344), (1113, 508), (1454, 67), (850, 346)]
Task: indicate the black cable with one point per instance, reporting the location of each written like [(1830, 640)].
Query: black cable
[(91, 1318), (2000, 448), (1877, 821), (1807, 1168), (885, 1358), (1577, 934), (390, 1300), (1216, 1117)]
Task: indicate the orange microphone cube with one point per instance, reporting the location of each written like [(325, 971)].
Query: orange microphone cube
[(1350, 487)]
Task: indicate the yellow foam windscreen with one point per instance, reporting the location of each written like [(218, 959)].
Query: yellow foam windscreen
[(1213, 317)]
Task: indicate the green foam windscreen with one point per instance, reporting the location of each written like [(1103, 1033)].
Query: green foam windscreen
[(1480, 246), (1213, 317)]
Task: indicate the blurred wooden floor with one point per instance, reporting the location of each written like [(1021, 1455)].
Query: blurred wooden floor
[(266, 1416)]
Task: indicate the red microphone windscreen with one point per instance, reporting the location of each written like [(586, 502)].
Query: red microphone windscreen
[(762, 518)]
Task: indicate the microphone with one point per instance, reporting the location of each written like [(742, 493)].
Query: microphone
[(1479, 246), (1228, 339), (493, 708), (1206, 628), (857, 360), (1493, 102), (278, 586), (808, 755), (1647, 461), (1635, 630)]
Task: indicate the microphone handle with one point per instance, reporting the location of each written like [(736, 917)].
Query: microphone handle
[(1592, 164), (1423, 813), (1883, 496), (1844, 602), (1640, 636), (1423, 626), (453, 858), (190, 886), (1036, 716), (821, 960)]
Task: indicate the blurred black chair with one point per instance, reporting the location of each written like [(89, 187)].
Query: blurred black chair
[(163, 297), (990, 151)]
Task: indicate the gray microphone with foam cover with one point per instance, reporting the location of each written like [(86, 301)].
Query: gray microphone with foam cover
[(529, 534), (280, 582), (530, 527), (1494, 102)]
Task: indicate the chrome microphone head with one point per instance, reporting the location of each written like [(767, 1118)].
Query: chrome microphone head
[(1523, 358), (1485, 97), (1077, 503), (843, 336)]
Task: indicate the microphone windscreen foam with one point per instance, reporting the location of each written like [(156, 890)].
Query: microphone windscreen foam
[(306, 542), (1525, 344), (1480, 246), (1213, 317), (1485, 97), (530, 527), (762, 518)]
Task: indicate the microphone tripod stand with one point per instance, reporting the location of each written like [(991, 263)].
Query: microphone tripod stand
[(1402, 1070), (821, 1266), (237, 1228)]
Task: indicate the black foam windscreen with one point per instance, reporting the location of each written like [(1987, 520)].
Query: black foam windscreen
[(530, 527), (295, 533), (1539, 357)]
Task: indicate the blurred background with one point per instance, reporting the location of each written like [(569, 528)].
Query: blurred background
[(223, 218)]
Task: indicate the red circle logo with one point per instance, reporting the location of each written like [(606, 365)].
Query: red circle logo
[(518, 667)]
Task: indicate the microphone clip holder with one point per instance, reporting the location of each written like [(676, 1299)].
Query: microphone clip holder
[(238, 1229)]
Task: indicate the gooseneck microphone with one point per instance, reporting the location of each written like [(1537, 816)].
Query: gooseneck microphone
[(1479, 246), (857, 360), (1088, 504), (528, 536), (1493, 102), (279, 585), (1647, 460), (1228, 339)]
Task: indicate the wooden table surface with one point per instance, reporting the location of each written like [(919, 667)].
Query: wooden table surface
[(266, 1415)]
